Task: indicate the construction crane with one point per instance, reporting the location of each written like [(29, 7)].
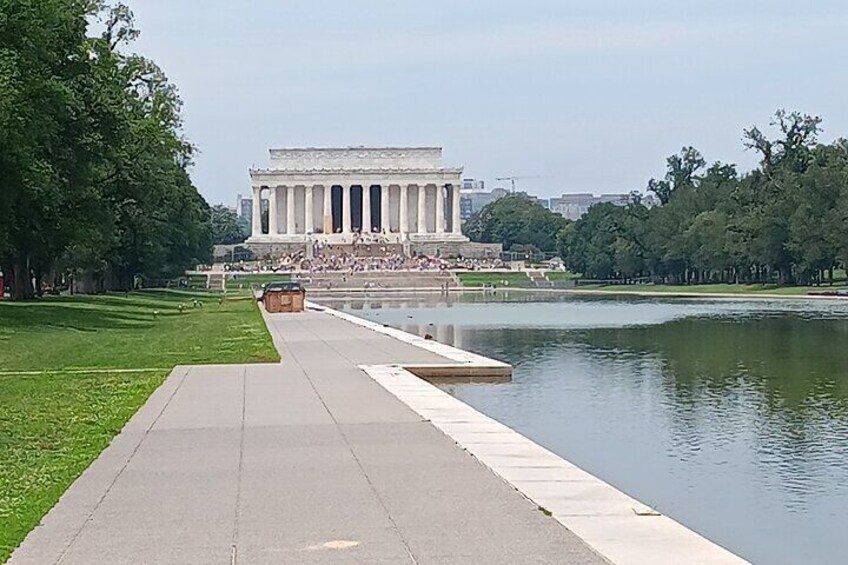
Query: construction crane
[(513, 179)]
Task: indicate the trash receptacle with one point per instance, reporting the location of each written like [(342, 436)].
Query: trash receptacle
[(283, 297)]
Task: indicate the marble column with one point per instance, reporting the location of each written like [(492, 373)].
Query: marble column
[(403, 207), (456, 222), (290, 225), (366, 208), (256, 221), (273, 229), (328, 208), (309, 224), (440, 208), (385, 223), (422, 208), (346, 227)]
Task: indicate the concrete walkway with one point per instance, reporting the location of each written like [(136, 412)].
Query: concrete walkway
[(309, 461)]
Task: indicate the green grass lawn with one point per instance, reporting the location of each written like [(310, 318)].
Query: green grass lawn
[(715, 288), (478, 279), (561, 275), (51, 428), (247, 280), (55, 423), (140, 330), (197, 282)]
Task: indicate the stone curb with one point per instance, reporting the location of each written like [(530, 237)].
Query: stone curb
[(620, 528)]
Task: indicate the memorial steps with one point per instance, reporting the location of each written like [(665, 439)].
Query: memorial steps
[(378, 280)]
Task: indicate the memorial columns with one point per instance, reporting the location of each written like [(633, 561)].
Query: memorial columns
[(272, 211), (422, 208), (328, 208), (346, 223), (456, 222), (256, 220), (366, 209), (440, 208), (309, 224), (445, 204), (290, 222), (385, 222), (403, 207)]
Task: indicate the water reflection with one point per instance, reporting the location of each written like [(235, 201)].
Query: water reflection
[(730, 416)]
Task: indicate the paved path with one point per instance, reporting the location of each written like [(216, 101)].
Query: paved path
[(309, 461)]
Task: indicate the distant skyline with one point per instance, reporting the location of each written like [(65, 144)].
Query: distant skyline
[(587, 97)]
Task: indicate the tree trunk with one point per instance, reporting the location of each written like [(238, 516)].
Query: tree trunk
[(38, 283), (21, 280)]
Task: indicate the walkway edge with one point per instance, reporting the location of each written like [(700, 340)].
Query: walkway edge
[(617, 526), (57, 530)]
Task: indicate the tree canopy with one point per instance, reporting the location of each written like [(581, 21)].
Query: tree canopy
[(515, 221), (93, 165), (227, 228), (782, 222)]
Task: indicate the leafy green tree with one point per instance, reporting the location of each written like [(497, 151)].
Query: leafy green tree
[(227, 229), (92, 162), (681, 171), (515, 220), (607, 243), (782, 222)]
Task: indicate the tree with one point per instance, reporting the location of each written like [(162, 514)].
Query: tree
[(42, 144), (799, 134), (227, 229), (515, 220), (92, 163), (782, 222), (607, 243), (680, 171)]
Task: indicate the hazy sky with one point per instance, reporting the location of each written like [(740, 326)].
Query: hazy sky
[(587, 96)]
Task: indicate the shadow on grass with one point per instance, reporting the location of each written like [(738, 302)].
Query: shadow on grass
[(37, 315), (92, 313)]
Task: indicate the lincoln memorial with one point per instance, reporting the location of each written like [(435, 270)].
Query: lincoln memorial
[(348, 194)]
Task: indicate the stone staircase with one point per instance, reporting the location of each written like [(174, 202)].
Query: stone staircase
[(216, 282), (378, 280), (539, 279), (363, 249)]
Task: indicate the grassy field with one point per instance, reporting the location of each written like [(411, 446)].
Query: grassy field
[(51, 428), (478, 279), (139, 330), (561, 275), (247, 280), (57, 420), (740, 289), (197, 282)]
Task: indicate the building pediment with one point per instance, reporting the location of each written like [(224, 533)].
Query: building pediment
[(352, 170), (334, 158)]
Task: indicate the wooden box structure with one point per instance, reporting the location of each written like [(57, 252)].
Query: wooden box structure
[(283, 297)]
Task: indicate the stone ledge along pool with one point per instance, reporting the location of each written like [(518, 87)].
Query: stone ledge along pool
[(730, 416)]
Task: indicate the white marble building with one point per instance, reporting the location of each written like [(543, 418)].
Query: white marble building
[(333, 194)]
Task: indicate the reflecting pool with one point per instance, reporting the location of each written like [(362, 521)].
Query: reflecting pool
[(731, 416)]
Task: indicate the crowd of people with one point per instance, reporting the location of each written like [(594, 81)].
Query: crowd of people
[(359, 258)]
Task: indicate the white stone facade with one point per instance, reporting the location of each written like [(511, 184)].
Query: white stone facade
[(341, 194)]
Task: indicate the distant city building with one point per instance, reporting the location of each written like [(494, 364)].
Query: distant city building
[(575, 206), (244, 207), (473, 200), (473, 184)]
